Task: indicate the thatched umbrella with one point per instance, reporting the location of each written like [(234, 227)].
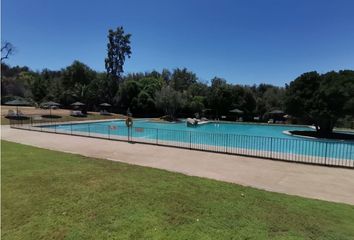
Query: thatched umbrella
[(276, 114), (238, 111), (105, 105), (18, 102), (51, 104), (77, 104), (104, 108)]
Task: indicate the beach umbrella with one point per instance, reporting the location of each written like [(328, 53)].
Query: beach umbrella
[(105, 105), (18, 102), (78, 104), (238, 111), (51, 104), (276, 114)]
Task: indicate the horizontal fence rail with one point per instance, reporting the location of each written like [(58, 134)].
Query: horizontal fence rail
[(321, 152)]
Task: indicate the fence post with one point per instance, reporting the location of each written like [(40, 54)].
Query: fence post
[(190, 140), (271, 147), (109, 132), (326, 153), (88, 128), (227, 142), (157, 136), (71, 129)]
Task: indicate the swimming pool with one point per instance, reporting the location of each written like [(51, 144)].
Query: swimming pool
[(239, 138)]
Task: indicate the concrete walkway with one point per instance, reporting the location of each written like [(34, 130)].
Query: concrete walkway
[(331, 184)]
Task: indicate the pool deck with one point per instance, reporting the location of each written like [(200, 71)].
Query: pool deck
[(318, 182)]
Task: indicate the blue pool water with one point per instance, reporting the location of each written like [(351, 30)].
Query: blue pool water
[(229, 135)]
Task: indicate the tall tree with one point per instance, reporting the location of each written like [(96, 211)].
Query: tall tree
[(196, 105), (181, 79), (322, 99), (118, 48), (169, 100), (220, 96), (128, 95), (39, 88), (16, 81), (76, 80), (77, 73)]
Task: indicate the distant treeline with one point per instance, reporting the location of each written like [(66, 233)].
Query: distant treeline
[(151, 93), (311, 98)]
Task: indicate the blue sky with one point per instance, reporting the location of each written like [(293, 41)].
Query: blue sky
[(245, 42)]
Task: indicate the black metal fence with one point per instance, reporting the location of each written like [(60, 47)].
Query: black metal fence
[(329, 153)]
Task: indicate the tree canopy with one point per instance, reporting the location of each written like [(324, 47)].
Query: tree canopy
[(118, 48), (321, 99), (312, 98)]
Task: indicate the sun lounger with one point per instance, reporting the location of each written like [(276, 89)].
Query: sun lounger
[(77, 114), (16, 115), (11, 113), (271, 121)]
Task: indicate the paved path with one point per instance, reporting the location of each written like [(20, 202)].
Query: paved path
[(332, 184)]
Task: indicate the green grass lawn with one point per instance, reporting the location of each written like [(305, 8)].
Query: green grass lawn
[(4, 121), (54, 195)]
